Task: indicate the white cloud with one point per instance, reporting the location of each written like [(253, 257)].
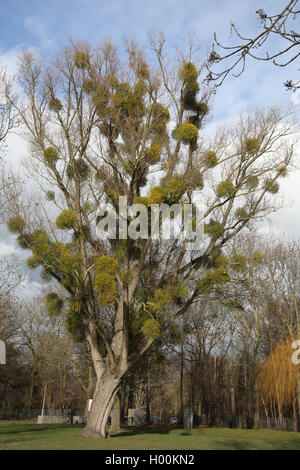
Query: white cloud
[(37, 27), (28, 288), (9, 60), (7, 249)]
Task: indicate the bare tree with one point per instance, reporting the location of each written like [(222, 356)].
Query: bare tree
[(278, 25)]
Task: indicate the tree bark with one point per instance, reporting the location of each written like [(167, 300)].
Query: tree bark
[(256, 404), (104, 396), (115, 416), (148, 406), (231, 381), (298, 399)]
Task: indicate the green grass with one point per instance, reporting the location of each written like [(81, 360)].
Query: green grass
[(31, 436)]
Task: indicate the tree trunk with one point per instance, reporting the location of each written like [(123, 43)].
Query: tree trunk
[(298, 399), (104, 396), (131, 392), (256, 404), (148, 410), (231, 381), (89, 390), (181, 384), (115, 416), (122, 401)]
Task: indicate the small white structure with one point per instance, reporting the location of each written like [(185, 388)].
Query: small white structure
[(79, 420), (50, 419), (2, 353)]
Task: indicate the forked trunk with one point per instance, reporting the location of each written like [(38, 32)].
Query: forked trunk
[(104, 396)]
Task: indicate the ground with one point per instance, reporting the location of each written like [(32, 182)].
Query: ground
[(30, 436)]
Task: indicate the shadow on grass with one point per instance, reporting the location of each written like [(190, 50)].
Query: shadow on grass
[(138, 430), (23, 430), (237, 445)]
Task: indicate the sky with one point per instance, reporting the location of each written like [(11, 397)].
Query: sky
[(45, 26)]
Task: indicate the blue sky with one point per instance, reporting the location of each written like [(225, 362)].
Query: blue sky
[(45, 25)]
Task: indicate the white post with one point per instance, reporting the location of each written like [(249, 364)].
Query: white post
[(2, 353), (43, 407)]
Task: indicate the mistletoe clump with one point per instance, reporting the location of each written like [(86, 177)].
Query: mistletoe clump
[(201, 108), (256, 259), (75, 325), (251, 145), (178, 291), (188, 73), (187, 133), (140, 88), (214, 228), (24, 241), (33, 262), (160, 118), (66, 220), (211, 279), (157, 195), (210, 159), (104, 283), (271, 186), (174, 190), (55, 104), (129, 105), (141, 200), (88, 86), (241, 213), (221, 261), (54, 304), (16, 224), (78, 168), (61, 258), (51, 156), (151, 328), (238, 262), (40, 246), (107, 264), (153, 153), (225, 189), (100, 98), (50, 196), (162, 299), (105, 286), (81, 59), (129, 167), (252, 182)]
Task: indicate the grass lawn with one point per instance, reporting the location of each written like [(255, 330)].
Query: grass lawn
[(31, 436)]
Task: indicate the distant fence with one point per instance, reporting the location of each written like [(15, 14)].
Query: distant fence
[(241, 422), (25, 413)]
